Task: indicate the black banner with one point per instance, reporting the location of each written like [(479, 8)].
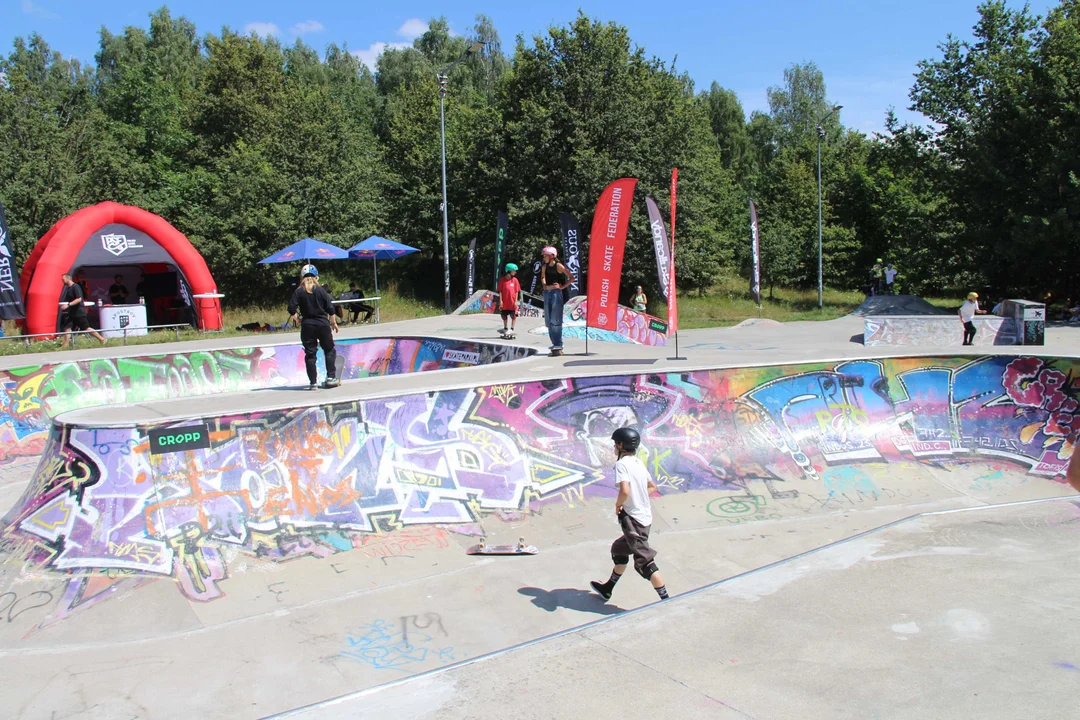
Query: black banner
[(502, 230), (470, 280), (755, 249), (571, 238), (178, 439), (11, 304), (535, 278)]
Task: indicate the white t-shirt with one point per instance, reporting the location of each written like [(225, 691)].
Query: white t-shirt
[(631, 470), (890, 275), (967, 310)]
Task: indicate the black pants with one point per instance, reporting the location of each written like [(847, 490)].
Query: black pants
[(634, 541), (357, 308), (313, 335), (969, 332)]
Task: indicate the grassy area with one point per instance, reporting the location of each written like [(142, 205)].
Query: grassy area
[(393, 308), (729, 303), (726, 304)]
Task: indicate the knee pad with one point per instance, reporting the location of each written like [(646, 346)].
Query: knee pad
[(648, 570), (620, 559)]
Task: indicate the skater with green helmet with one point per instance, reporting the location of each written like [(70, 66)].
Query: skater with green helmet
[(509, 289)]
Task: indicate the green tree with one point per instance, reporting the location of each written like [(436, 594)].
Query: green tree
[(52, 139), (583, 107)]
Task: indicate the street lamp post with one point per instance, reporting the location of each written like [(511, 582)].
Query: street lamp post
[(820, 137), (443, 84)]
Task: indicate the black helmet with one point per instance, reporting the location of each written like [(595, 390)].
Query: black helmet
[(629, 438)]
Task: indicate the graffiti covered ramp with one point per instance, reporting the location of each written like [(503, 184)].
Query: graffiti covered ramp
[(312, 551)]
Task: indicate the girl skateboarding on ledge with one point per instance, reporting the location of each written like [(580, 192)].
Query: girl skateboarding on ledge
[(316, 309)]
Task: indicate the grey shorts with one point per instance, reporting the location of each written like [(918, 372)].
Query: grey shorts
[(634, 541)]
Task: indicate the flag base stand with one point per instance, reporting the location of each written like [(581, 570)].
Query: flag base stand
[(677, 357), (587, 353)]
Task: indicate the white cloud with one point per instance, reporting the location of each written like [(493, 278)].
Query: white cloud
[(262, 29), (371, 55), (308, 26), (29, 8), (412, 28)]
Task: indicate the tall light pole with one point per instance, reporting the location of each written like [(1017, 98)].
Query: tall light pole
[(820, 137), (443, 83)]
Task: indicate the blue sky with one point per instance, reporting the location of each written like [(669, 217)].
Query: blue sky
[(867, 49)]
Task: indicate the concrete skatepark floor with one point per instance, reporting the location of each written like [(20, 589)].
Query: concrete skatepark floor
[(831, 634), (316, 624)]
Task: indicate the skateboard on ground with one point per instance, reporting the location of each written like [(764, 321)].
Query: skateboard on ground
[(520, 549), (556, 352), (508, 334)]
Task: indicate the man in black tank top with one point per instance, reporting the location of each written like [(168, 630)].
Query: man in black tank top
[(554, 278)]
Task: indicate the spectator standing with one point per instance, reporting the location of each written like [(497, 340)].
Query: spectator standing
[(118, 292), (554, 278), (967, 313), (890, 278), (877, 278)]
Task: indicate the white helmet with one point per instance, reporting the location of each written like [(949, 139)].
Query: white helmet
[(309, 270)]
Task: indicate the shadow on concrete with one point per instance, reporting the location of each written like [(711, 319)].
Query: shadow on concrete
[(280, 388), (571, 599), (641, 361)]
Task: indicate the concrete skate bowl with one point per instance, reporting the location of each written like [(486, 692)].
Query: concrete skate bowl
[(897, 305), (36, 393), (327, 543)]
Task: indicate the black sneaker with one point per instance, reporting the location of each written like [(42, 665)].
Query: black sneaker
[(601, 589)]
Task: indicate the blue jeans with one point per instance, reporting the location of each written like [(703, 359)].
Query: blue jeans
[(553, 307)]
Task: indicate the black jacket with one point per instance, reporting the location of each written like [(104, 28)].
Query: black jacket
[(314, 306)]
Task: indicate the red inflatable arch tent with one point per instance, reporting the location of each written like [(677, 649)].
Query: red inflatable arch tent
[(108, 239)]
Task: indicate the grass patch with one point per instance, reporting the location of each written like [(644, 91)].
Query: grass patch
[(729, 303), (393, 308)]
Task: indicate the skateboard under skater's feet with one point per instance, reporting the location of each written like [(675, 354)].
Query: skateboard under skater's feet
[(556, 352), (339, 366)]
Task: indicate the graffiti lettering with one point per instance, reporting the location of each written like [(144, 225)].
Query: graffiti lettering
[(391, 476)]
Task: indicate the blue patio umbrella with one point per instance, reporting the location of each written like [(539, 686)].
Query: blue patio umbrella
[(307, 249), (377, 248)]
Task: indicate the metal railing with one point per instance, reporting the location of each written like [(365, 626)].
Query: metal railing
[(75, 333)]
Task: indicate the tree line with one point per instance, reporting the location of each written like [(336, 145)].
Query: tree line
[(246, 145)]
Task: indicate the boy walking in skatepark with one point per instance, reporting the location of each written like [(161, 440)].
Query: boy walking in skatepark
[(509, 288), (634, 511)]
